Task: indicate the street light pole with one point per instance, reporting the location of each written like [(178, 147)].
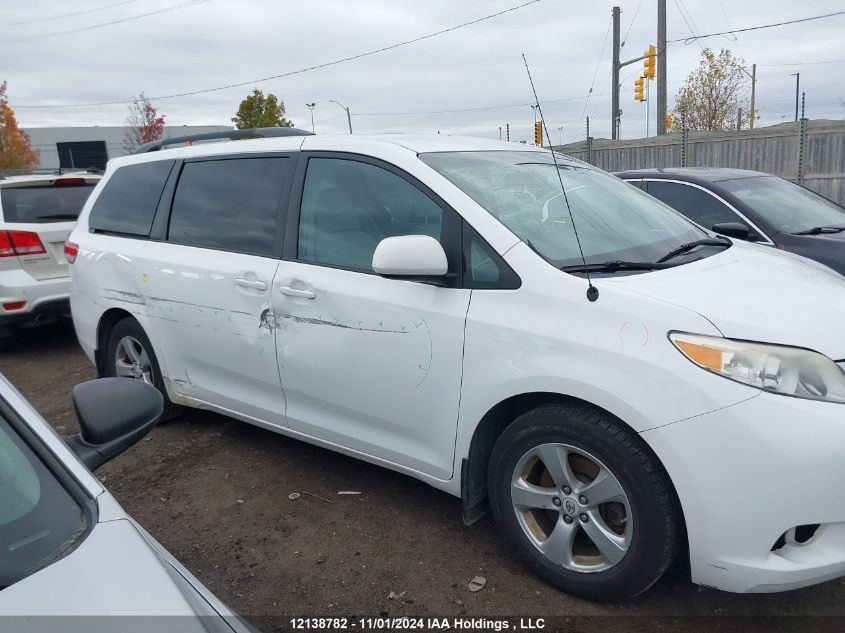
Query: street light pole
[(348, 115), (311, 107)]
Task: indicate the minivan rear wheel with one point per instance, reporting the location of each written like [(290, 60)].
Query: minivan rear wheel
[(130, 354), (583, 501)]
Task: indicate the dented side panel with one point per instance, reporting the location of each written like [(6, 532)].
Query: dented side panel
[(211, 317)]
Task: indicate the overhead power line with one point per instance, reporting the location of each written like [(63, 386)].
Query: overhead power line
[(687, 40), (829, 61), (41, 36), (74, 14), (292, 72)]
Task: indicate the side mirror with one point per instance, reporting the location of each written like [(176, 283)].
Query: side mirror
[(410, 256), (732, 229), (114, 414)]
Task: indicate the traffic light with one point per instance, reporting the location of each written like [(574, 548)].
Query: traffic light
[(639, 87), (650, 61), (668, 120), (538, 133)]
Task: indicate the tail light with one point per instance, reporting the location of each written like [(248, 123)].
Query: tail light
[(20, 243), (69, 182), (6, 249), (71, 251)]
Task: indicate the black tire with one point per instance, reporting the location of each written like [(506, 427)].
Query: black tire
[(654, 541), (130, 327)]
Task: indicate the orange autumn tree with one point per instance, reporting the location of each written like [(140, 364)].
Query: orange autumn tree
[(16, 152)]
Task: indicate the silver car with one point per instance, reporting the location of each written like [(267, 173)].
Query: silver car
[(67, 548)]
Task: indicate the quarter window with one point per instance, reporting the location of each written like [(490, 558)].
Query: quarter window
[(231, 204), (699, 206), (348, 207), (128, 201)]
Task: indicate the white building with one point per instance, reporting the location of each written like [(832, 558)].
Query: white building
[(93, 146)]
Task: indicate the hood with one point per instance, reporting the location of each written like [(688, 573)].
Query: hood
[(115, 573), (826, 248), (756, 293)]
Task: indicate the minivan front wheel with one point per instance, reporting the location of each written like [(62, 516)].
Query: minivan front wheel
[(579, 497), (130, 354)]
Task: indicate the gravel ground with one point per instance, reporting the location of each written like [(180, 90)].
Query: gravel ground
[(214, 492)]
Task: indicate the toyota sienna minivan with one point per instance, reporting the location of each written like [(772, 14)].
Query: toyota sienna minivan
[(518, 329)]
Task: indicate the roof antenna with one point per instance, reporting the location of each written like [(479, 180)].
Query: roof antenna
[(592, 291)]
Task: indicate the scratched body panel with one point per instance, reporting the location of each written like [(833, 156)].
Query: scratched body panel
[(209, 328), (373, 363)]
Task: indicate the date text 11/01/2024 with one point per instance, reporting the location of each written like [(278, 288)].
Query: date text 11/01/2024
[(417, 624)]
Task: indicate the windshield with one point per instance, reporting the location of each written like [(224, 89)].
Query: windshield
[(39, 519), (786, 206), (43, 204), (615, 221)]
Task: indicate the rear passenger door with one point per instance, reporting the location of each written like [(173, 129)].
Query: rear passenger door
[(209, 280)]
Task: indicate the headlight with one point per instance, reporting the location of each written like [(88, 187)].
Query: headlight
[(791, 371)]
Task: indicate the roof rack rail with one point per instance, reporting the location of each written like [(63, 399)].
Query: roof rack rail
[(232, 135)]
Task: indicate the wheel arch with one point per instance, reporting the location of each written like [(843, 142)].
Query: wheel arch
[(500, 416), (107, 321)]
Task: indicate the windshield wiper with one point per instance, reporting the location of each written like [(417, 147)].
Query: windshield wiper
[(614, 266), (816, 230), (57, 216), (685, 248)]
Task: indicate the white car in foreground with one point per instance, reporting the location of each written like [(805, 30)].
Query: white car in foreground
[(37, 213), (70, 558), (421, 303)]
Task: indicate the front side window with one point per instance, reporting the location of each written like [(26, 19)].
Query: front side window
[(348, 207), (786, 206), (231, 204), (40, 204), (128, 201), (39, 519), (699, 206), (522, 190)]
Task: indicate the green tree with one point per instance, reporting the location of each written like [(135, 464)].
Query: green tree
[(713, 94), (260, 111)]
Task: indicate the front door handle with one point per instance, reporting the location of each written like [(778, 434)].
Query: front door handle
[(250, 283), (295, 292)]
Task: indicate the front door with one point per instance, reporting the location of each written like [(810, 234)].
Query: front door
[(209, 286), (367, 362)]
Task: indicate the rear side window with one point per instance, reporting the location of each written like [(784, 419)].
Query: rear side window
[(127, 203), (49, 203), (230, 204)]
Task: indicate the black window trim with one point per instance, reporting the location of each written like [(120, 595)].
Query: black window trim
[(161, 222), (452, 220), (765, 239), (58, 469), (134, 236), (470, 234)]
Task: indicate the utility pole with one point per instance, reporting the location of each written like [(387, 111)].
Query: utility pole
[(500, 132), (614, 100), (661, 67), (797, 87), (753, 91)]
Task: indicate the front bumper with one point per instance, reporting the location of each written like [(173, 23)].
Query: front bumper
[(747, 474)]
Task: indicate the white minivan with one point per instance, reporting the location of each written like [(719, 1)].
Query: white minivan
[(422, 303)]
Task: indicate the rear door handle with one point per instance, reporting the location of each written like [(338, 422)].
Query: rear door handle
[(295, 292), (250, 283)]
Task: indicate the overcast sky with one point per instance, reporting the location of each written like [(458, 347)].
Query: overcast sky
[(204, 44)]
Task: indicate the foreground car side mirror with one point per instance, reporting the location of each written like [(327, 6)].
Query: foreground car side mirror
[(732, 229), (410, 256), (114, 414)]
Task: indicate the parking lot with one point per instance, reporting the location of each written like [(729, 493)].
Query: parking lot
[(215, 492)]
